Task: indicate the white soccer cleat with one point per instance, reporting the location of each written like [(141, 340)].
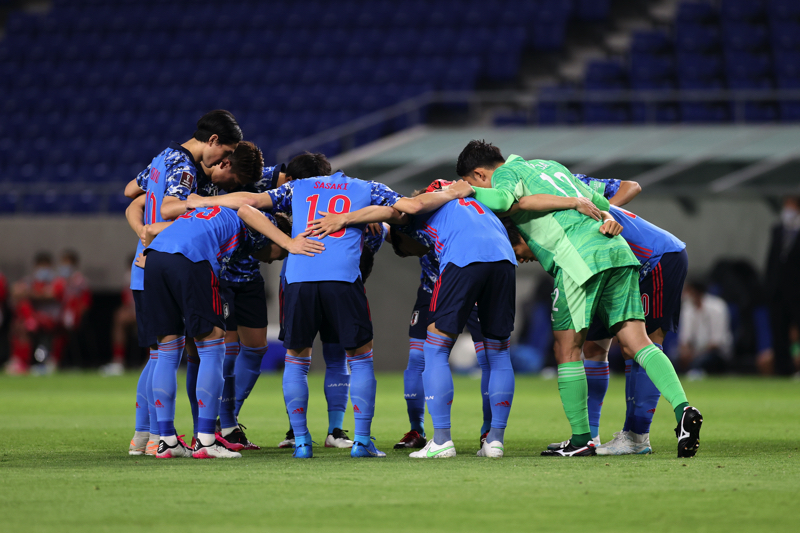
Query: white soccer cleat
[(492, 449), (138, 443), (180, 449), (338, 439), (217, 450), (626, 443), (152, 445), (435, 451)]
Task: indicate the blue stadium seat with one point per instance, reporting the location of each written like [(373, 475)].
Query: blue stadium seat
[(9, 203), (42, 203), (738, 35), (692, 37), (650, 42), (649, 67), (783, 9), (695, 12), (698, 66), (85, 202)]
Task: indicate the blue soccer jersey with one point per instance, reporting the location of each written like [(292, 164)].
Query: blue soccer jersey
[(648, 242), (374, 242), (429, 271), (171, 173), (465, 231), (210, 234), (242, 267), (607, 187), (304, 199)]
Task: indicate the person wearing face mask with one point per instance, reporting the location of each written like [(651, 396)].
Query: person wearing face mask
[(75, 297), (36, 306), (783, 289)]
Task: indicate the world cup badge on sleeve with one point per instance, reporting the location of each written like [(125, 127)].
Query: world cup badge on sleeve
[(414, 318), (187, 179)]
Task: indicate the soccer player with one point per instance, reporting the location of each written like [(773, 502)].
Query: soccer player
[(413, 389), (182, 299), (323, 294), (165, 183), (477, 267), (593, 273)]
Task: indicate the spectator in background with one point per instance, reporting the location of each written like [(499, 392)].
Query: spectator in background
[(36, 312), (124, 326), (534, 348), (704, 334), (783, 289), (76, 298)]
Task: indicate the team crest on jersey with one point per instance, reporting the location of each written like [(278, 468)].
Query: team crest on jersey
[(186, 180), (225, 311), (414, 318)]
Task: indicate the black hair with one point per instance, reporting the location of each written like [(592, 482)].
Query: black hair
[(513, 231), (247, 162), (366, 263), (43, 258), (478, 154), (71, 256), (220, 123), (283, 223), (308, 165)]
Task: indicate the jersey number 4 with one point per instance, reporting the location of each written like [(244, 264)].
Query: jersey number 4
[(313, 200)]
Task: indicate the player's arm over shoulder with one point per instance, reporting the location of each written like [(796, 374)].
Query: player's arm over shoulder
[(628, 190)]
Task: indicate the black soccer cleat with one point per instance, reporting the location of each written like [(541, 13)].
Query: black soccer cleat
[(568, 450), (237, 436), (288, 442), (688, 432), (412, 439)]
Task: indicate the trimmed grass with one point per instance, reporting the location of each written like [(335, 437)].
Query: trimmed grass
[(64, 466)]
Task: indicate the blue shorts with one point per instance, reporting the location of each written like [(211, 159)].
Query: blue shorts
[(337, 310), (141, 329), (181, 296), (490, 285), (247, 303), (419, 319), (661, 292)]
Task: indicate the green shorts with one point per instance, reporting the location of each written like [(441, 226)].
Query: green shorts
[(612, 294)]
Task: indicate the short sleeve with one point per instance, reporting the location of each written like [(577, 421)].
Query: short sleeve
[(282, 198), (181, 179), (256, 240), (607, 187), (380, 194), (143, 177)]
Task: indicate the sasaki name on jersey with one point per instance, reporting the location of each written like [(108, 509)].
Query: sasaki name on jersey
[(336, 186)]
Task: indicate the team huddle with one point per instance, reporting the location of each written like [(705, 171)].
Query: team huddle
[(208, 210)]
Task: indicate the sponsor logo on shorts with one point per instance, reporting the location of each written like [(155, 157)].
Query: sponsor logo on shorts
[(414, 318)]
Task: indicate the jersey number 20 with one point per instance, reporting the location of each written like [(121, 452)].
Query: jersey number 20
[(313, 200)]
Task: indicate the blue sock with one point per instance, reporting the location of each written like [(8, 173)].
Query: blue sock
[(646, 397), (247, 370), (192, 366), (630, 386), (438, 383), (227, 418), (413, 390), (209, 384), (483, 362), (151, 400), (501, 385), (337, 383), (165, 384), (142, 405), (597, 381), (362, 394), (295, 393)]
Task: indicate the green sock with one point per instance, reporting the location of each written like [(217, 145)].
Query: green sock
[(574, 393), (661, 372)]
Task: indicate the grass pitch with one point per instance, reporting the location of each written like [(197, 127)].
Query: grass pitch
[(64, 466)]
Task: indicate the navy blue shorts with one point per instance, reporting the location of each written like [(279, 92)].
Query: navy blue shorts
[(141, 329), (661, 292), (247, 303), (490, 285), (418, 329), (181, 296), (337, 310)]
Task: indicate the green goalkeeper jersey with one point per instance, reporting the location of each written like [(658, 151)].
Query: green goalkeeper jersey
[(566, 240)]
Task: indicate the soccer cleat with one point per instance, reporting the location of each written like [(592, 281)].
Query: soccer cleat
[(572, 451), (360, 450), (237, 436), (338, 439), (303, 451), (152, 444), (688, 432), (412, 439), (180, 449), (491, 449), (216, 450), (232, 446), (288, 442), (138, 443), (112, 369), (626, 443), (564, 443), (435, 451)]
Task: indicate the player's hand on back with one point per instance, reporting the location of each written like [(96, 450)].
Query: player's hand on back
[(302, 245), (376, 228), (140, 260), (610, 227), (462, 189), (329, 223), (587, 207)]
